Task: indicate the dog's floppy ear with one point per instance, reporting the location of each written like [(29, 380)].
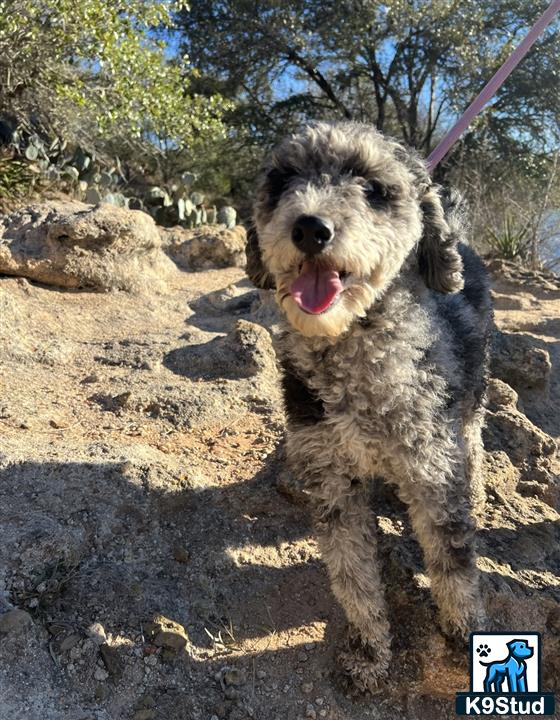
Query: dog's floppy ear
[(255, 269), (439, 261)]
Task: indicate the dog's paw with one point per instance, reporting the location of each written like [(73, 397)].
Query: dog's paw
[(457, 627), (457, 631), (483, 650), (363, 666)]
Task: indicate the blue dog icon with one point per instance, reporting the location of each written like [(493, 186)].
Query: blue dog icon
[(514, 668)]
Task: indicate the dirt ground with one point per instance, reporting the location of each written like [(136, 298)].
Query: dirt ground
[(166, 570)]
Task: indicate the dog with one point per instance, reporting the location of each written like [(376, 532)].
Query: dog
[(384, 354), (513, 668)]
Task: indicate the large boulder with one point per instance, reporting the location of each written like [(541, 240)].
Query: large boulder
[(206, 247), (73, 245)]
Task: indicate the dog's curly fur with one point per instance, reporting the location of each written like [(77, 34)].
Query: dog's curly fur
[(390, 379)]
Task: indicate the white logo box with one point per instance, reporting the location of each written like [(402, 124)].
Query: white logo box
[(495, 649)]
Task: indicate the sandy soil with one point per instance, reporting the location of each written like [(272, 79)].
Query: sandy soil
[(162, 573)]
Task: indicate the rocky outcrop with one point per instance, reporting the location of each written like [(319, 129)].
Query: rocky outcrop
[(517, 361), (529, 450), (206, 247), (72, 245)]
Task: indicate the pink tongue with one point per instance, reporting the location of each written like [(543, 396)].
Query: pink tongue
[(316, 288)]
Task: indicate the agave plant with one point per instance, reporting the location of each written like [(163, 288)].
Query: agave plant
[(511, 242)]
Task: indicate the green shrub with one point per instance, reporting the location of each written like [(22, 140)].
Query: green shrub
[(16, 178)]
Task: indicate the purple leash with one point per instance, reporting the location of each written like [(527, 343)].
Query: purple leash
[(492, 86)]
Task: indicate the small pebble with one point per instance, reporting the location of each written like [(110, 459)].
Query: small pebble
[(181, 555), (310, 712), (100, 674), (307, 687), (97, 633), (90, 379), (261, 675), (233, 676), (69, 642)]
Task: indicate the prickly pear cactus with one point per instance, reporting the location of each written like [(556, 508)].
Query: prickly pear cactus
[(93, 196), (211, 215), (228, 216), (106, 179), (71, 173)]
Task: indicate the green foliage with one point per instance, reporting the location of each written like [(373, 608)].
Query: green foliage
[(99, 69), (16, 178), (511, 242)]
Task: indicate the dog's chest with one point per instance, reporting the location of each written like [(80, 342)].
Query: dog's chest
[(366, 381)]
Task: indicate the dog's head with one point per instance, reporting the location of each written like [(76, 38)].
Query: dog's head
[(339, 210), (519, 649)]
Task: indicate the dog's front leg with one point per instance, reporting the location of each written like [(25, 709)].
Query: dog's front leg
[(434, 486), (346, 533)]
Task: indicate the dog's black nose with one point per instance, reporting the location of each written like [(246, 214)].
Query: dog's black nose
[(311, 234)]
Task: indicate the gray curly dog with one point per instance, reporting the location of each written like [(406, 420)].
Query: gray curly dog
[(384, 353)]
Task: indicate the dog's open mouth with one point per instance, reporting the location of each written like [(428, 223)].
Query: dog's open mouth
[(317, 287)]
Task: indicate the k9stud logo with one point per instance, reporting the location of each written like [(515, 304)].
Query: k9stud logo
[(505, 671)]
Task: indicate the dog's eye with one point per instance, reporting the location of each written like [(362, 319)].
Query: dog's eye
[(376, 193)]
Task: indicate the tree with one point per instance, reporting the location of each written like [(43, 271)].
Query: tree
[(93, 70), (409, 66)]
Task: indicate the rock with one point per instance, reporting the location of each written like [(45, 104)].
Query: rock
[(112, 403), (246, 351), (14, 622), (500, 394), (97, 633), (111, 660), (101, 692), (291, 488), (100, 674), (512, 431), (72, 245), (233, 676), (517, 361), (144, 714), (205, 247), (93, 378), (167, 633), (181, 555), (530, 450), (517, 274), (69, 642)]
